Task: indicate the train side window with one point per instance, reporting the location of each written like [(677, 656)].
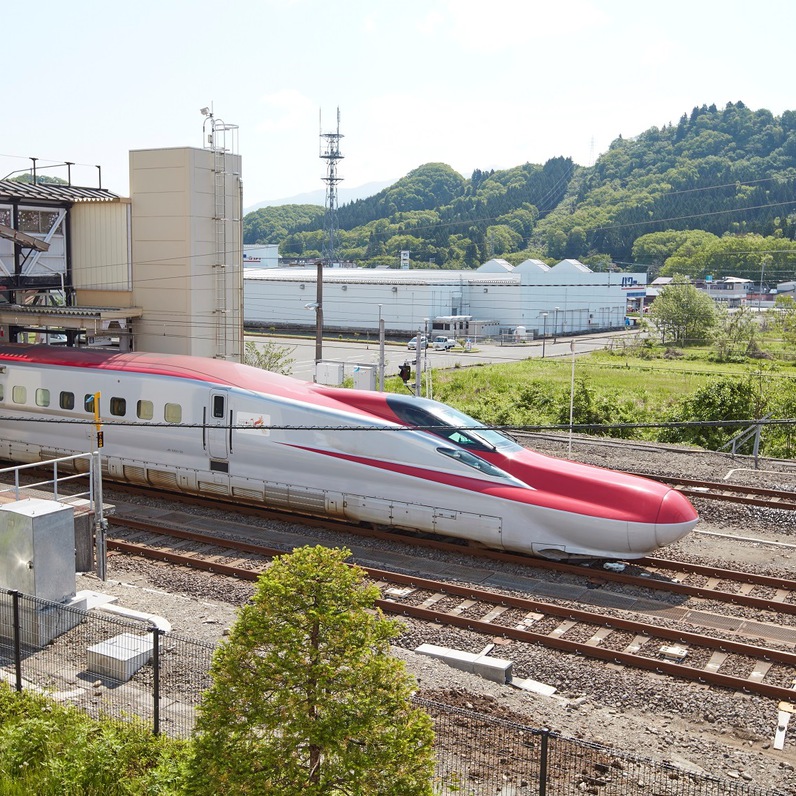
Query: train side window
[(19, 394), (118, 407), (172, 413), (2, 393), (145, 410), (42, 397), (88, 403), (67, 400), (218, 406)]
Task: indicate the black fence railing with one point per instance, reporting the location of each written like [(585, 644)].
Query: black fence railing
[(111, 666), (104, 664)]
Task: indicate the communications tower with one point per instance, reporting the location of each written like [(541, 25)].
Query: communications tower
[(330, 152)]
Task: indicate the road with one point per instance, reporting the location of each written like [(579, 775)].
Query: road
[(352, 353)]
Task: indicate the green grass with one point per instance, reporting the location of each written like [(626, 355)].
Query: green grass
[(49, 749), (636, 384)]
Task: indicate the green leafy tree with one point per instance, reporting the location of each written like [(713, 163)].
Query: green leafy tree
[(736, 335), (747, 256), (683, 314), (41, 179), (306, 699), (598, 408), (654, 249), (785, 308), (721, 399), (269, 356)]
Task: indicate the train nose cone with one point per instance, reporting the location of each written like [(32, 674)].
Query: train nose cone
[(676, 518)]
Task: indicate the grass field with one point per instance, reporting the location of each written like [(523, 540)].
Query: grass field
[(637, 385)]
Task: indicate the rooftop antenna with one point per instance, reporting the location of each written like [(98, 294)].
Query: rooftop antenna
[(330, 152)]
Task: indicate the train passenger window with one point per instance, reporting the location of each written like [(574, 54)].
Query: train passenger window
[(67, 400), (42, 397), (88, 403), (172, 413), (19, 395), (118, 407), (2, 393), (218, 406), (145, 410)]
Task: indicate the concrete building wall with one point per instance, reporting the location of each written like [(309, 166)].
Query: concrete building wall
[(187, 251)]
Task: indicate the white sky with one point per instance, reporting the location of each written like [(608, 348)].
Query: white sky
[(469, 83)]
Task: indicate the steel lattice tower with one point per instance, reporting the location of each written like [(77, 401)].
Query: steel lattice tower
[(330, 152)]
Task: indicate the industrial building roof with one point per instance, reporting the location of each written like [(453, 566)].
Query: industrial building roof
[(10, 190), (414, 276)]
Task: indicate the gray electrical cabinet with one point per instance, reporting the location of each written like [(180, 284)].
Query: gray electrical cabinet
[(37, 548)]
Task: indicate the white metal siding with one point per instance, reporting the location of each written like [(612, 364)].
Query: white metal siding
[(100, 246)]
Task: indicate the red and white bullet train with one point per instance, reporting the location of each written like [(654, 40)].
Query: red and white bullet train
[(213, 427)]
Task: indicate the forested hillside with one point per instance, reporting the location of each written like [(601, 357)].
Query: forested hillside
[(714, 193)]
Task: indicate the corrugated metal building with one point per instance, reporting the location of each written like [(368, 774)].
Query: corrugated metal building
[(160, 271), (495, 298)]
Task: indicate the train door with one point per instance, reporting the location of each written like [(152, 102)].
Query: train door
[(218, 425)]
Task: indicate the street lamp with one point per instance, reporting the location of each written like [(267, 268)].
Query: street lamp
[(555, 327), (544, 331)]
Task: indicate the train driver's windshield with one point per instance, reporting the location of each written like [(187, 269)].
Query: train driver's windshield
[(450, 424)]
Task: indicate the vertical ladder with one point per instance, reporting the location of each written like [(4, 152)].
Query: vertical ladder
[(220, 259)]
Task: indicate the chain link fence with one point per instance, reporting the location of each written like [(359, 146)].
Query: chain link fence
[(111, 666)]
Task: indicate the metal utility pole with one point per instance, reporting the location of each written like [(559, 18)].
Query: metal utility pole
[(544, 332), (381, 351), (330, 152), (319, 313), (419, 351)]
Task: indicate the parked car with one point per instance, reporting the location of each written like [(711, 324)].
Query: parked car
[(443, 343), (412, 344)]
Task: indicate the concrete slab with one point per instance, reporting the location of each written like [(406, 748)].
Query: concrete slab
[(498, 670), (120, 657)]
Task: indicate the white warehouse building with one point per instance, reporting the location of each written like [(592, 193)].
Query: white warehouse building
[(497, 298)]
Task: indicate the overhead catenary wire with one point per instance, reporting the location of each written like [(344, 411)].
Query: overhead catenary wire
[(110, 423)]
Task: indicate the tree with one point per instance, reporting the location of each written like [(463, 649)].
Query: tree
[(785, 308), (682, 313), (269, 356), (736, 335), (305, 697), (719, 400)]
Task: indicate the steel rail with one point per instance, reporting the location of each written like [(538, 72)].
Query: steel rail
[(595, 575), (580, 648), (733, 493)]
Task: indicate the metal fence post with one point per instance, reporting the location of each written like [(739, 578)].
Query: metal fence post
[(543, 762), (156, 632), (15, 595)]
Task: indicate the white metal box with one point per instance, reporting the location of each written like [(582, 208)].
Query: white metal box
[(365, 378), (37, 540), (330, 373)]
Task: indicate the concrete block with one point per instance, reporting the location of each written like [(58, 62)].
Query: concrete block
[(120, 657), (498, 670), (39, 622)]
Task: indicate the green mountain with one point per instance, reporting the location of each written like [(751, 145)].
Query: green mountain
[(668, 193)]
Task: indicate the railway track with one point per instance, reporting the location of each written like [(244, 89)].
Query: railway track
[(731, 493), (734, 587), (763, 670)]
